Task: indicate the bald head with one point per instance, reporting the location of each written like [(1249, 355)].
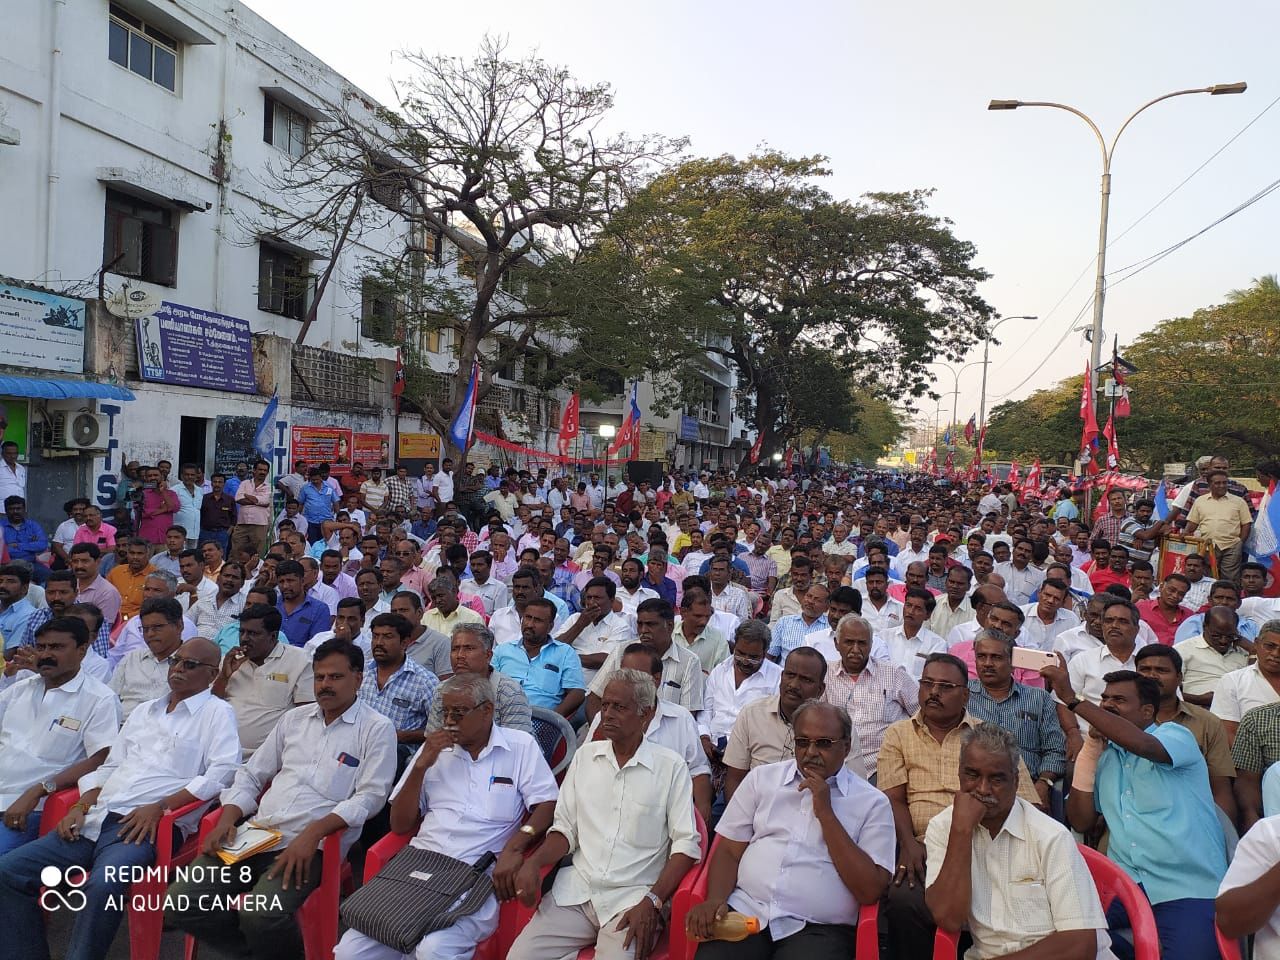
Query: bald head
[(200, 648), (995, 580)]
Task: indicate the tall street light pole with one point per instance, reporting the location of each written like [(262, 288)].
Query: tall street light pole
[(986, 352), (955, 392), (1099, 288)]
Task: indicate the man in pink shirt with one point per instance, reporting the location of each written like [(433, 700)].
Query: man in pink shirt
[(159, 504), (1164, 612), (253, 503)]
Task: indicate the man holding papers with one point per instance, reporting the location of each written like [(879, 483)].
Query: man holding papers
[(329, 765)]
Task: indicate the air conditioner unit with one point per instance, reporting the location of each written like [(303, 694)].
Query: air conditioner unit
[(79, 430)]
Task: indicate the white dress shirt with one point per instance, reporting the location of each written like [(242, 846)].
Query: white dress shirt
[(1027, 882), (910, 652), (505, 624), (673, 727), (364, 640), (95, 665), (206, 589), (1040, 635), (130, 639), (943, 619), (963, 633), (630, 601), (465, 810), (1240, 691), (159, 751), (602, 637), (884, 619), (622, 825), (493, 593), (326, 595), (44, 731), (906, 556), (139, 677), (722, 700), (1019, 585), (683, 681), (1260, 609), (316, 768), (786, 876), (1257, 852), (13, 481), (1087, 669)]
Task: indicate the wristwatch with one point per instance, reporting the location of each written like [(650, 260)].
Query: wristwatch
[(1073, 704), (528, 831), (49, 786), (653, 898)]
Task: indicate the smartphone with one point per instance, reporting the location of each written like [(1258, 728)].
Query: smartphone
[(1025, 658)]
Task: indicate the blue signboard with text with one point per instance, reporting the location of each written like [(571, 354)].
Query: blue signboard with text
[(191, 347)]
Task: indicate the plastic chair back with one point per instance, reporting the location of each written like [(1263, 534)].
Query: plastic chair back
[(556, 738), (1113, 883), (56, 806), (1230, 949), (946, 944)]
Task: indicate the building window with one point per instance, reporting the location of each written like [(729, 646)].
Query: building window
[(378, 313), (140, 240), (143, 49), (283, 282), (285, 128)]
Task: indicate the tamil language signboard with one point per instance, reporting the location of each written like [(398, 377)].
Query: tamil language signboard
[(41, 331), (190, 347)]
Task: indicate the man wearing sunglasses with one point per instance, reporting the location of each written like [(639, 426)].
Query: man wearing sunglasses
[(172, 751)]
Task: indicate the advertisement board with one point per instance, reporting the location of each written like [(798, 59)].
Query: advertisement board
[(371, 449), (196, 348), (41, 331), (331, 445)]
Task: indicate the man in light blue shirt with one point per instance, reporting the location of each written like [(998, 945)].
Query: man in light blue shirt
[(189, 498), (317, 500), (1151, 783), (15, 608), (549, 672)]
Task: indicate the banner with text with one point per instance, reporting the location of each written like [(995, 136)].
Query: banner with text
[(41, 331), (331, 445), (191, 347)]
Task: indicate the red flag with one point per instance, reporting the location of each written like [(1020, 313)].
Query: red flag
[(1032, 484), (950, 465), (568, 427), (754, 456), (1121, 408), (1090, 432), (397, 385), (1113, 448), (970, 428), (787, 460), (1013, 473)]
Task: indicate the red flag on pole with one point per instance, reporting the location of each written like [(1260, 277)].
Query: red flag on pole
[(397, 386), (970, 427), (1113, 447), (1090, 432), (568, 427), (754, 456), (1032, 484), (1013, 473), (1122, 408)]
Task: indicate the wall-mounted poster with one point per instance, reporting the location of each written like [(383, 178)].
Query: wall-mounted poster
[(331, 445), (371, 449), (196, 348), (41, 331)]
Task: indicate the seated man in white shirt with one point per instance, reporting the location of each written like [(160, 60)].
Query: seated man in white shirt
[(625, 815), (56, 725), (329, 766), (910, 643), (192, 585), (1248, 901), (672, 726), (172, 751), (595, 631), (144, 673), (803, 844), (748, 675), (1009, 873), (158, 586), (466, 791)]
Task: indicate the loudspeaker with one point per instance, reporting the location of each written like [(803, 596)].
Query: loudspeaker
[(650, 470)]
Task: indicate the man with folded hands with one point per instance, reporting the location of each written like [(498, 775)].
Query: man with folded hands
[(470, 783), (329, 765), (171, 751)]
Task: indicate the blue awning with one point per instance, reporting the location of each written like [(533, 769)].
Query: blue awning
[(51, 388)]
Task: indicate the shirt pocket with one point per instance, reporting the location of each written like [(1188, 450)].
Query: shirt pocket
[(186, 756), (336, 777), (503, 803), (643, 823), (61, 744), (1030, 913)]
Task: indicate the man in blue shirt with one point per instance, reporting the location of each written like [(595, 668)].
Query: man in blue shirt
[(15, 608), (549, 672), (303, 616), (317, 500), (1151, 783), (25, 538)]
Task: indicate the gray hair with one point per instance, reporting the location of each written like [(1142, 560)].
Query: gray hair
[(753, 630), (1271, 626), (442, 583), (993, 739), (641, 684), (474, 686), (310, 562), (479, 629), (168, 579), (855, 620), (841, 714), (998, 636)]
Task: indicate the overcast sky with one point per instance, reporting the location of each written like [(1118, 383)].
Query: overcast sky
[(896, 93)]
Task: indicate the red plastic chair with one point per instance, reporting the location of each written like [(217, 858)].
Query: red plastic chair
[(146, 926), (1230, 949), (318, 915), (1112, 882), (946, 945)]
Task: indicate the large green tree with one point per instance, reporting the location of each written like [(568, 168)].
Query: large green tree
[(805, 294)]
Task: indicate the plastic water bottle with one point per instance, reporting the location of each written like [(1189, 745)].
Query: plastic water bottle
[(735, 926)]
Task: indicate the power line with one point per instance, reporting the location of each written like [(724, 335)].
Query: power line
[(1182, 183)]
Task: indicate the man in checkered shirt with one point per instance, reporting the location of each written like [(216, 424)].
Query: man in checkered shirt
[(398, 687)]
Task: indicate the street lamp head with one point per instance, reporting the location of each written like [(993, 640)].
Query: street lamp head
[(777, 458), (606, 431), (1218, 89), (1004, 104)]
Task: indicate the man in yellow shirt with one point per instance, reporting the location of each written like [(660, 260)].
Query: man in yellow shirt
[(129, 577), (446, 612), (1225, 521)]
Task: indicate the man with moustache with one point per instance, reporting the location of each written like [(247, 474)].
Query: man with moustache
[(595, 631), (471, 652), (748, 675), (59, 596), (326, 766), (143, 674), (1005, 871), (802, 845), (262, 678), (549, 671), (172, 751), (917, 770), (398, 687), (56, 725), (875, 692)]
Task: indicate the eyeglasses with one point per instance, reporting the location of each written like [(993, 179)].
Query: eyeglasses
[(748, 661), (940, 686), (457, 713), (187, 664), (822, 743)]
